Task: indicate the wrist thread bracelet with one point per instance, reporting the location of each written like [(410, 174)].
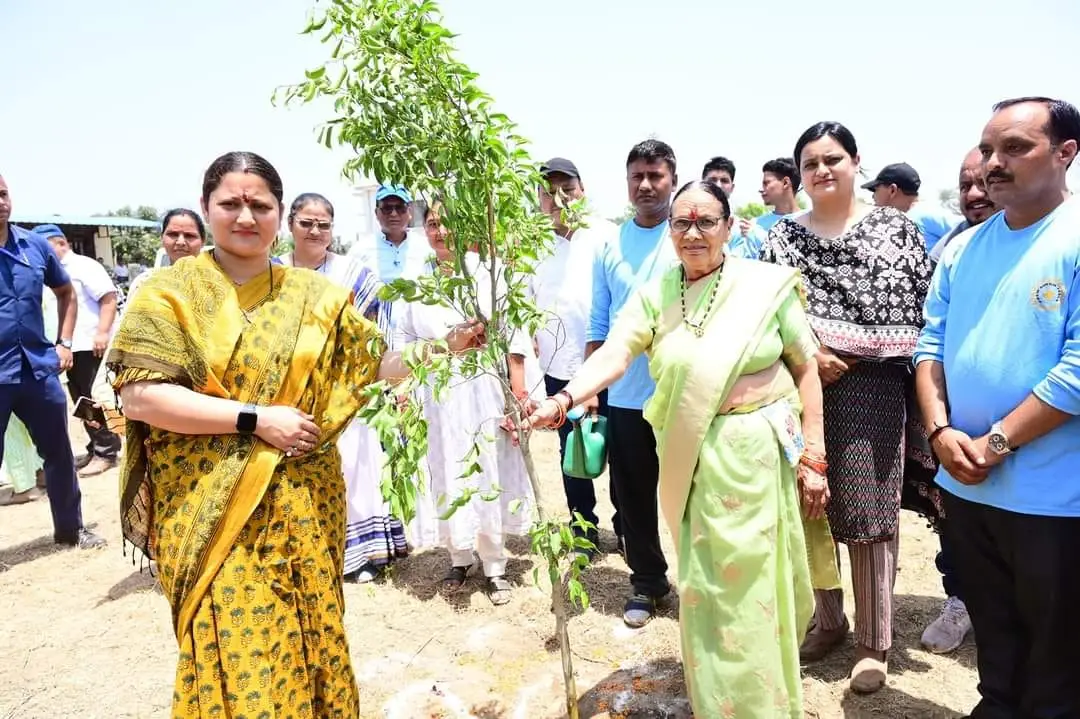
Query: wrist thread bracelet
[(934, 435)]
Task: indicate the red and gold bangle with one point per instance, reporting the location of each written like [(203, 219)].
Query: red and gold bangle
[(562, 414), (569, 399), (815, 462)]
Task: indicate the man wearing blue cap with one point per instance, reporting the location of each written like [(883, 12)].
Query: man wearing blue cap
[(395, 252), (30, 362), (393, 249), (96, 296)]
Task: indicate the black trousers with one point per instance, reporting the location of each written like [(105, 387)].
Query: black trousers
[(635, 473), (947, 566), (80, 382), (580, 493), (1018, 577)]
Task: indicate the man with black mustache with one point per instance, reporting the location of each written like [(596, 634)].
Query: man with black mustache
[(642, 251), (948, 631), (975, 205), (998, 378)]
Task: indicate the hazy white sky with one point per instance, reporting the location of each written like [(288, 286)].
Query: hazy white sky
[(118, 102)]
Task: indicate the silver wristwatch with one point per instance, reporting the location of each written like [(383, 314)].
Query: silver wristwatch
[(998, 441)]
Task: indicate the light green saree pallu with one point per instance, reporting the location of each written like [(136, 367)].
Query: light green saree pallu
[(748, 560)]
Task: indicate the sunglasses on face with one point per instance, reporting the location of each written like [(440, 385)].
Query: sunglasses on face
[(393, 209), (704, 224), (308, 224)]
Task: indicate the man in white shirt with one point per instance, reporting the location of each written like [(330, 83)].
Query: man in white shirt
[(562, 287), (395, 252), (95, 294)]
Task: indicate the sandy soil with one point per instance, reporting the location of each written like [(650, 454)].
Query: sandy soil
[(83, 634)]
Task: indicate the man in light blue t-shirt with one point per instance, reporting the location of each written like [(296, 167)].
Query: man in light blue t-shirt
[(780, 181), (998, 378), (898, 186), (747, 236), (642, 251)]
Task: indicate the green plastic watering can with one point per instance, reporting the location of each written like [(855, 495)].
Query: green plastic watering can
[(586, 447)]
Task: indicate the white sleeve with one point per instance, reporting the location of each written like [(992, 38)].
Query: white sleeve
[(521, 343), (102, 392), (404, 325), (95, 279)]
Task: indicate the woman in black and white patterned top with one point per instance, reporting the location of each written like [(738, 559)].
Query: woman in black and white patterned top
[(866, 274)]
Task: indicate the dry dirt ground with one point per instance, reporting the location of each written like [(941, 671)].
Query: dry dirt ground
[(83, 634)]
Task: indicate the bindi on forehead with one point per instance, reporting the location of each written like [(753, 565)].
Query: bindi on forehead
[(693, 213)]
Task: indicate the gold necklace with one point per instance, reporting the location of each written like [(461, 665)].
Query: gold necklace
[(698, 328)]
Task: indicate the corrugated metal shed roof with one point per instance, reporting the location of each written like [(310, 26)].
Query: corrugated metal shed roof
[(84, 220)]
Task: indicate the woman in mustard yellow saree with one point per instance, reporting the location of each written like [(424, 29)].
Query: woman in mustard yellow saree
[(737, 417), (236, 377)]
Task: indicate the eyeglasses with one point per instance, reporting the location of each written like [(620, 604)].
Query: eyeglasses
[(704, 224), (393, 209), (308, 224)]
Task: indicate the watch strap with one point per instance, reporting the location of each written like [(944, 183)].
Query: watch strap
[(998, 429)]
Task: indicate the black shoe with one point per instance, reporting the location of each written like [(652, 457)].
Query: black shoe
[(83, 539), (639, 611), (81, 460)]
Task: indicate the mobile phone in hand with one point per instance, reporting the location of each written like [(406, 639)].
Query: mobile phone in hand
[(88, 411)]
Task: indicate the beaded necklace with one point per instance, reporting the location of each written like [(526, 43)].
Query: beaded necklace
[(698, 327)]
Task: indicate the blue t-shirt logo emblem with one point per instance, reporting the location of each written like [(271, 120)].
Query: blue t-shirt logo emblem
[(1048, 295)]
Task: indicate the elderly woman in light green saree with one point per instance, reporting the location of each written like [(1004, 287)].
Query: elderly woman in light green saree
[(737, 414)]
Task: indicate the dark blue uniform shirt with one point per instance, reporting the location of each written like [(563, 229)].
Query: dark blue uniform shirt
[(27, 265)]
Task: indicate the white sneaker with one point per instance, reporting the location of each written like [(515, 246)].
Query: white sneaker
[(947, 632)]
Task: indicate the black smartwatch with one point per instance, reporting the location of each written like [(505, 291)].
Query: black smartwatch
[(247, 419)]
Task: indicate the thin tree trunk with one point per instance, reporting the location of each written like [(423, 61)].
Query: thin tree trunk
[(558, 589)]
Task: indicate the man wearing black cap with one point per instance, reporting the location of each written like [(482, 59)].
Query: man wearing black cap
[(30, 362), (897, 186), (562, 286)]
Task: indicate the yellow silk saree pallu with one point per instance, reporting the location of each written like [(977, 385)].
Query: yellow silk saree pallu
[(248, 543)]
